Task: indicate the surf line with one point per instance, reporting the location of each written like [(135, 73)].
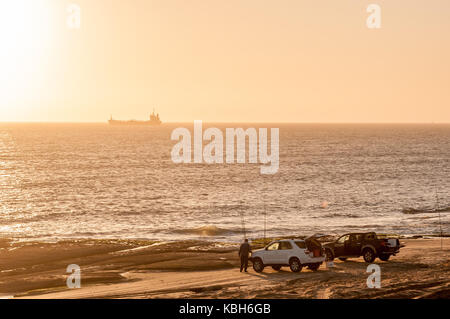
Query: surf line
[(212, 153)]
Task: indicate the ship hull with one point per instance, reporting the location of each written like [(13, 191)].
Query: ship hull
[(134, 123)]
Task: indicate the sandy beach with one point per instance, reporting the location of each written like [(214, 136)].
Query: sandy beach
[(198, 269)]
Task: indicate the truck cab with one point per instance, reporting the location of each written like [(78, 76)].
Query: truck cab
[(369, 245)]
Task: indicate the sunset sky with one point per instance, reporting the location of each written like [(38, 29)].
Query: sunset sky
[(225, 61)]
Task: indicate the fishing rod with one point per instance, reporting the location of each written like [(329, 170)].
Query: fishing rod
[(439, 212), (265, 222), (243, 224), (265, 209)]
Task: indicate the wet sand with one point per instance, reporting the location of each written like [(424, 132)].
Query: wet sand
[(196, 269)]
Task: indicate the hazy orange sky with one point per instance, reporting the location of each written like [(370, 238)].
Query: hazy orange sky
[(225, 61)]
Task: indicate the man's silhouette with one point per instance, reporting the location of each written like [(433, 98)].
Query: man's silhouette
[(243, 254)]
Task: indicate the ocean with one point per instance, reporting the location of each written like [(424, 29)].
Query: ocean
[(70, 181)]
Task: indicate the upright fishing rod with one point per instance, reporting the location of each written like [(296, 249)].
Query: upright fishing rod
[(265, 222), (439, 212), (265, 209), (243, 224)]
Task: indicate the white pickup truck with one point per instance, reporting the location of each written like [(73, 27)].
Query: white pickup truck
[(293, 253)]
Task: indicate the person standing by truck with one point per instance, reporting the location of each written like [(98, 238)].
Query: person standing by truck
[(244, 250)]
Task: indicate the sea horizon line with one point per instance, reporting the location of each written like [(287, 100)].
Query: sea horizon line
[(234, 122)]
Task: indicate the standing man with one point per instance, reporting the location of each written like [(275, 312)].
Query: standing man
[(243, 254)]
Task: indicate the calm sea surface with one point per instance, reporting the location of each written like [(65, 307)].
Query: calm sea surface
[(65, 181)]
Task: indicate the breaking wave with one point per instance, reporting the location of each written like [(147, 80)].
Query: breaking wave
[(207, 231), (413, 211)]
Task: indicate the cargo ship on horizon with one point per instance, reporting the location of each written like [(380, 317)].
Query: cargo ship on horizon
[(154, 121)]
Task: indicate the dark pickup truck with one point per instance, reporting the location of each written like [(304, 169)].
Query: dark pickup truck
[(368, 245)]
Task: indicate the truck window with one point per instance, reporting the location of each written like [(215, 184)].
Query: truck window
[(343, 239), (356, 237), (273, 246), (285, 245), (370, 236), (300, 244)]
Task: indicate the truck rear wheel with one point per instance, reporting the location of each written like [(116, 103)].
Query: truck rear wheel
[(329, 255), (369, 255), (258, 265)]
